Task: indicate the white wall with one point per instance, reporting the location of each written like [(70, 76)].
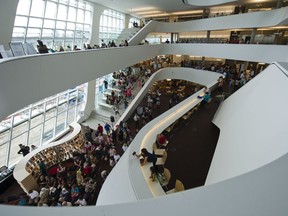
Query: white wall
[(7, 16), (248, 119), (25, 80)]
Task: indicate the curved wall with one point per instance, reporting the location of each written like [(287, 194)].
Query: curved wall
[(131, 185), (26, 80), (248, 120), (237, 21)]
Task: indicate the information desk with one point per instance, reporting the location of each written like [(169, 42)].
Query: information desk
[(27, 170)]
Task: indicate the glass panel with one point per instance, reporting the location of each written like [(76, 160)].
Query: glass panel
[(87, 28), (50, 113), (35, 33), (69, 34), (72, 14), (60, 25), (81, 4), (63, 106), (21, 21), (50, 24), (19, 129), (79, 27), (88, 16), (35, 136), (71, 26), (19, 32), (36, 120), (73, 2), (23, 7), (14, 156), (78, 43), (4, 136), (78, 34), (68, 43), (47, 33), (89, 7), (61, 122), (58, 43), (51, 10), (48, 130), (63, 1), (60, 33), (80, 16), (34, 22), (62, 12), (71, 115), (3, 153), (37, 8)]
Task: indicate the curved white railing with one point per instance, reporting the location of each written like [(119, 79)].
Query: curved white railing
[(26, 80), (262, 191), (207, 2), (246, 21), (135, 180)]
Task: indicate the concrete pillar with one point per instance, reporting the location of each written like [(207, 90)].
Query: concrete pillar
[(203, 61), (127, 19), (90, 101), (7, 17), (253, 34), (96, 24), (208, 36), (279, 4)]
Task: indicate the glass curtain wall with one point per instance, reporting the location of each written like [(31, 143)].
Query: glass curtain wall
[(55, 22), (39, 123), (132, 20), (111, 25)]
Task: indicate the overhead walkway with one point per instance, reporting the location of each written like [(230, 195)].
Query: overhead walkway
[(260, 19), (28, 79)]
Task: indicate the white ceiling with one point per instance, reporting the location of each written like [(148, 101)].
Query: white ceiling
[(134, 6), (140, 8)]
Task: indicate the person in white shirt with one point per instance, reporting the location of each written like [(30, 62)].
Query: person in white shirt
[(33, 196), (81, 201)]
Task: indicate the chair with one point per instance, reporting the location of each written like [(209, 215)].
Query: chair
[(178, 187), (157, 151), (162, 160), (167, 176)]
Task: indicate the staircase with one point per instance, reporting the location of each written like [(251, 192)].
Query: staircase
[(126, 34)]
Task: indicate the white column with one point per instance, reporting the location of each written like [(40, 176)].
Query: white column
[(98, 10), (7, 17), (90, 101)]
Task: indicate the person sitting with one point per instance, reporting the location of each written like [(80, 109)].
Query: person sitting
[(24, 150), (42, 48), (206, 99), (145, 157)]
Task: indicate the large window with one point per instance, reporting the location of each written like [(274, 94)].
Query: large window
[(111, 25), (132, 20), (55, 22), (39, 123)]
